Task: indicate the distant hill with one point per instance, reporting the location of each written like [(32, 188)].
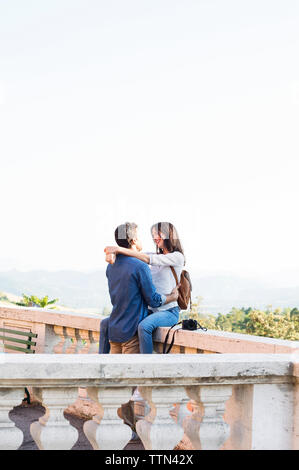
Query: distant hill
[(9, 300), (72, 288), (221, 293), (81, 290)]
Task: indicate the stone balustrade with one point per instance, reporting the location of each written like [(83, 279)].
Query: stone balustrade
[(239, 401), (58, 332), (71, 333)]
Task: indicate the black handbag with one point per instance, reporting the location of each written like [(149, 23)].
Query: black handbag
[(188, 324)]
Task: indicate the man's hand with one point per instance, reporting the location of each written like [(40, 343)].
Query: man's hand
[(173, 296), (175, 292)]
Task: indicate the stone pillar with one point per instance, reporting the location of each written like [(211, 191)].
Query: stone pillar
[(191, 422), (272, 417), (53, 339), (10, 436), (70, 346), (159, 431), (53, 431), (213, 430), (59, 331), (94, 337), (107, 431), (83, 341)]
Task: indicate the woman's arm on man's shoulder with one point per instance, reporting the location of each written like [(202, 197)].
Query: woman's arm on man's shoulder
[(119, 250)]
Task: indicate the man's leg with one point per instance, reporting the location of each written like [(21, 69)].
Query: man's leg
[(115, 348), (104, 346), (131, 346), (150, 323)]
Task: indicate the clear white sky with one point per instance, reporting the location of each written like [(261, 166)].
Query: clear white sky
[(148, 110)]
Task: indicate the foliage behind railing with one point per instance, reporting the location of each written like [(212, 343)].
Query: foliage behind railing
[(271, 323)]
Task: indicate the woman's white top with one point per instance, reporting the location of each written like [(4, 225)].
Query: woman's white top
[(163, 278)]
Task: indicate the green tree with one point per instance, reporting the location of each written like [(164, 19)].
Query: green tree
[(273, 323), (34, 301)]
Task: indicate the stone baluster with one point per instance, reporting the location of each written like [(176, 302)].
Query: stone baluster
[(54, 339), (10, 436), (159, 431), (52, 431), (191, 421), (107, 431), (94, 337), (182, 411), (59, 331), (83, 341), (70, 346), (213, 430)]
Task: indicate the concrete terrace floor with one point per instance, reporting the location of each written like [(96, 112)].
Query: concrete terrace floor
[(24, 415)]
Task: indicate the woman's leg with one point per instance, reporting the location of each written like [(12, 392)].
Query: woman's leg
[(150, 323), (104, 347)]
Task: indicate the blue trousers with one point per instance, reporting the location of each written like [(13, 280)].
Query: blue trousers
[(145, 329), (104, 347)]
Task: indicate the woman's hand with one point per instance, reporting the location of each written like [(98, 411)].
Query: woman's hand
[(110, 258), (112, 250)]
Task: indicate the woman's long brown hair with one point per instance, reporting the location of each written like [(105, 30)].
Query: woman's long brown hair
[(171, 241)]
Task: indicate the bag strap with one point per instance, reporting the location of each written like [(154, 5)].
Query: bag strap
[(172, 341), (174, 274), (201, 327)]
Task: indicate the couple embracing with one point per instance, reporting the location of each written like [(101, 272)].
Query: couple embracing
[(143, 288)]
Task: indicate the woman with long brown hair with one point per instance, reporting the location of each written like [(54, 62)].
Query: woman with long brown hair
[(169, 252)]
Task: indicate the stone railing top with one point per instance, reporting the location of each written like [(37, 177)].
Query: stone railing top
[(37, 310), (227, 342), (57, 317), (119, 370)]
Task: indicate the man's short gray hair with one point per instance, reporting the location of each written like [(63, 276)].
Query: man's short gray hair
[(125, 234)]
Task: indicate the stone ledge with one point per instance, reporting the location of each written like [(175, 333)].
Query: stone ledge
[(49, 370)]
